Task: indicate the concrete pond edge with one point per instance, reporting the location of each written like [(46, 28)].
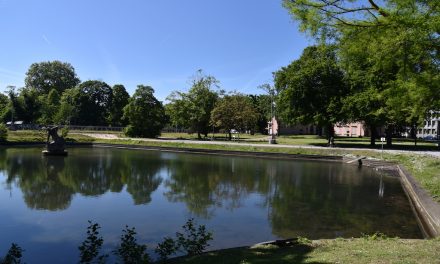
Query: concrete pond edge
[(426, 209)]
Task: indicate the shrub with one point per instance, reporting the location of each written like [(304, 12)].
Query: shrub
[(194, 240), (90, 247), (3, 133), (167, 248), (129, 251)]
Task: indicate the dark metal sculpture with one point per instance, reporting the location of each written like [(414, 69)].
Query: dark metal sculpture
[(56, 146)]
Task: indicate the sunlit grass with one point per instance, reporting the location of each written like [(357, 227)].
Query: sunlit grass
[(359, 250)]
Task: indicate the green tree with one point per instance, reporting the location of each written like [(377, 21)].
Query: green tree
[(3, 133), (311, 89), (4, 103), (15, 110), (120, 100), (262, 104), (389, 49), (145, 114), (234, 112), (50, 106), (88, 104), (30, 102), (67, 109), (45, 76), (193, 109)]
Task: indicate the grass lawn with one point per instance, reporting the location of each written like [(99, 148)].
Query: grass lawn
[(359, 250), (41, 136)]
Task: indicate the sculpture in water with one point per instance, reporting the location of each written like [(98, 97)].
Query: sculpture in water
[(56, 145)]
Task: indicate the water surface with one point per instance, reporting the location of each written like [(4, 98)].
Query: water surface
[(45, 202)]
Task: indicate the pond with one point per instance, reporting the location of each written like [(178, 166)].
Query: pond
[(45, 202)]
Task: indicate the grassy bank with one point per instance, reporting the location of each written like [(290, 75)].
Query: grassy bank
[(360, 250)]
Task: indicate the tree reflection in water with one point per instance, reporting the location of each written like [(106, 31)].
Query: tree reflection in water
[(48, 182), (311, 199)]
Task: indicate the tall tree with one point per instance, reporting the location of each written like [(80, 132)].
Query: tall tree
[(193, 109), (4, 102), (120, 100), (145, 114), (389, 49), (93, 102), (31, 105), (45, 76), (262, 105), (68, 110), (15, 110), (311, 89), (234, 112), (50, 105)]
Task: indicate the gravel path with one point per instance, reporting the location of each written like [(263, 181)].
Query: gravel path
[(185, 141)]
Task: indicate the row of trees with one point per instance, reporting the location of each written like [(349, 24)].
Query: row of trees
[(205, 108), (375, 62), (53, 94)]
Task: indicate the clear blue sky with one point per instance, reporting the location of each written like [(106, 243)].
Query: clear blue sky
[(161, 43)]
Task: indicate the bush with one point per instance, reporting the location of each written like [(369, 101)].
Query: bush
[(129, 251), (193, 241), (165, 249), (3, 133), (90, 247)]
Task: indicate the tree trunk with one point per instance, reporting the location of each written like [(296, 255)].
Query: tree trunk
[(330, 135), (389, 135), (230, 135), (373, 135), (198, 135), (319, 131), (414, 134)]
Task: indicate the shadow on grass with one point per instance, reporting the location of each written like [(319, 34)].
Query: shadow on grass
[(397, 145), (297, 253)]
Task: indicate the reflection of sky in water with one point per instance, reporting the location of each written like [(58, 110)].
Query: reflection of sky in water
[(242, 200)]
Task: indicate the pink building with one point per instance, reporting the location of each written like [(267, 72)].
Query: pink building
[(356, 129)]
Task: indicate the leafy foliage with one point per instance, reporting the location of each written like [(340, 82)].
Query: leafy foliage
[(120, 100), (129, 251), (3, 133), (311, 89), (90, 247), (45, 76), (234, 112), (193, 109), (166, 248), (145, 114), (50, 105), (389, 51), (194, 240), (93, 97)]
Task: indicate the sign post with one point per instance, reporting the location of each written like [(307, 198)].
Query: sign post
[(382, 140)]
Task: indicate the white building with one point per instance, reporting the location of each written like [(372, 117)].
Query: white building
[(431, 128)]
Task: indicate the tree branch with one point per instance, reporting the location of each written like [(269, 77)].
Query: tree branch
[(375, 6)]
